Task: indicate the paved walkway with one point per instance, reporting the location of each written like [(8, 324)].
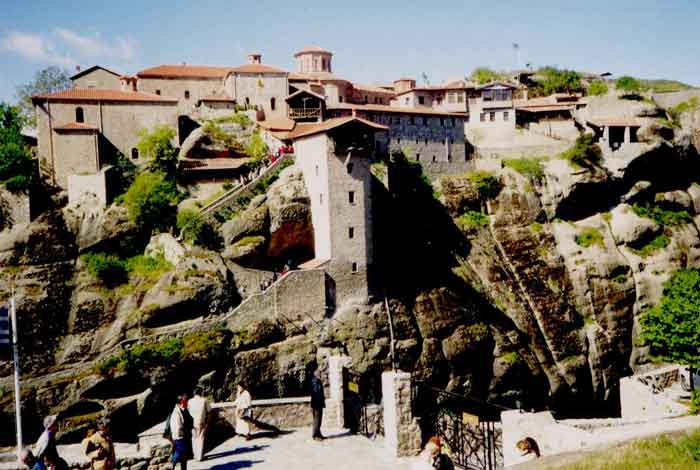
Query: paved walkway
[(296, 450)]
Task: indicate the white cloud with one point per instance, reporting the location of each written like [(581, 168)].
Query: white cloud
[(123, 48), (67, 48), (35, 48)]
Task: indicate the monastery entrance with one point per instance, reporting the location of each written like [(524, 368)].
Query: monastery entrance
[(361, 412)]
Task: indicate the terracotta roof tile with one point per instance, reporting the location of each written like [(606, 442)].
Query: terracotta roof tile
[(96, 94), (277, 124), (307, 129), (394, 109), (75, 126), (310, 49), (256, 68), (184, 71)]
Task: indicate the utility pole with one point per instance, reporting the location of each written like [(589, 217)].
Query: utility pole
[(15, 356)]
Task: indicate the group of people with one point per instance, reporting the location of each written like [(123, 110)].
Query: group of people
[(97, 446), (185, 427)]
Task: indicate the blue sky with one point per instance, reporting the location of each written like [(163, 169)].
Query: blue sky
[(373, 41)]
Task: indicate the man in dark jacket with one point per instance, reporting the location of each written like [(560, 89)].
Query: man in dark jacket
[(318, 403)]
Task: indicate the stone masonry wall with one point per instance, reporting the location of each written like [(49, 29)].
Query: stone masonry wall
[(175, 88)]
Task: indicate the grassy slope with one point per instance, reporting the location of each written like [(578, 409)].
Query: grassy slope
[(666, 452)]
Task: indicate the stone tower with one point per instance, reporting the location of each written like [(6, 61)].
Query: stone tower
[(313, 59), (335, 158)]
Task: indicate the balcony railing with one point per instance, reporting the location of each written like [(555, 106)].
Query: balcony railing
[(301, 113)]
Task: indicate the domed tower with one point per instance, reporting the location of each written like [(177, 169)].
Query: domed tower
[(314, 59)]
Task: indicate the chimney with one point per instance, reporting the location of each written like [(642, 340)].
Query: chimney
[(255, 58), (77, 69)]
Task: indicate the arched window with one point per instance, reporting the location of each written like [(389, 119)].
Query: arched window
[(272, 104), (187, 94), (79, 115), (134, 153), (247, 101)]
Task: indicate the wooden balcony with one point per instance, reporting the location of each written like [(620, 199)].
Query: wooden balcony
[(304, 113)]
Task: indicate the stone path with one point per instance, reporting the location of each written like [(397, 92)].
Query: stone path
[(297, 451)]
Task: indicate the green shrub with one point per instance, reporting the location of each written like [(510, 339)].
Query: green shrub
[(18, 183), (659, 242), (661, 216), (560, 81), (589, 237), (597, 88), (628, 84), (144, 356), (530, 167), (692, 104), (482, 75), (584, 153), (109, 269), (672, 328), (204, 345), (157, 146), (694, 408), (195, 229), (227, 186), (250, 240), (536, 227), (486, 183), (472, 219), (148, 267), (257, 148), (152, 201), (216, 133), (237, 118)]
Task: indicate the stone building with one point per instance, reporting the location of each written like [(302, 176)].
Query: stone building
[(96, 77), (433, 138), (185, 83), (81, 129), (258, 85), (335, 157)]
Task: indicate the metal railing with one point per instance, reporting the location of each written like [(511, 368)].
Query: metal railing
[(300, 113)]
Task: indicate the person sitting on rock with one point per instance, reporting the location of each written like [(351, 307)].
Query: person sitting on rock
[(100, 448)]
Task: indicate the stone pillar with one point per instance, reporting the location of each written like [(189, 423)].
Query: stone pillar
[(335, 380), (402, 435), (627, 139)]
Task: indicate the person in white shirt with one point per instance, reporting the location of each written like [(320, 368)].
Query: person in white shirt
[(244, 412), (180, 433), (199, 409)]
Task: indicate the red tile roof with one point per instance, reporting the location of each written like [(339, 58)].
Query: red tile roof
[(307, 129), (372, 89), (311, 49), (256, 68), (184, 71), (277, 124), (394, 109), (96, 94), (75, 126)]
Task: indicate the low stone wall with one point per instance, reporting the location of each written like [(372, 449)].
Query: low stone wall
[(557, 129), (282, 413)]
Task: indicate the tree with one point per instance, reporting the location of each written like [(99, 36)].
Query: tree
[(628, 84), (597, 88), (15, 160), (157, 146), (256, 149), (48, 80), (672, 328), (560, 81), (483, 75), (152, 201)]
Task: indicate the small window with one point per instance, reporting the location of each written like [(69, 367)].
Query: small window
[(452, 121), (354, 267), (492, 116), (425, 141), (505, 115), (157, 92), (134, 153), (351, 197), (418, 157), (187, 94), (349, 166), (442, 121), (340, 99), (351, 232), (452, 140), (79, 115), (449, 157), (421, 100), (425, 121), (320, 198), (434, 159), (316, 170), (482, 117), (247, 101), (272, 104), (398, 140)]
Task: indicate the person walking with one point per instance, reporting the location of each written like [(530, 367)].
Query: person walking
[(318, 403), (244, 411), (178, 430), (199, 407), (46, 445), (100, 448)]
